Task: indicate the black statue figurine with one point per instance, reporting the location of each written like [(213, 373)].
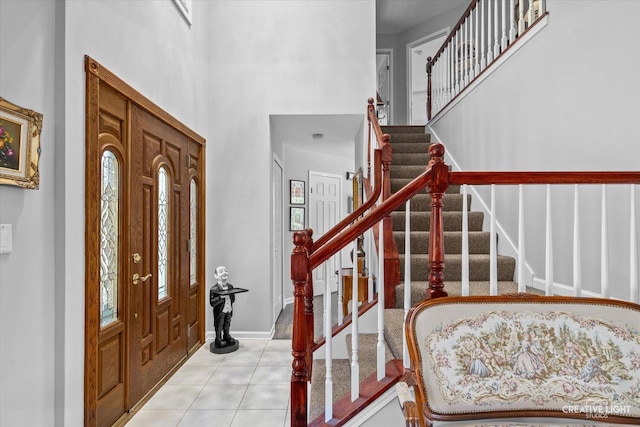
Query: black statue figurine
[(222, 297)]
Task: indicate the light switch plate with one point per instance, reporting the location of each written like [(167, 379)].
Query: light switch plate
[(6, 243)]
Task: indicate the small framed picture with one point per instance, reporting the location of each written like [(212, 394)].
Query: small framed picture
[(296, 192), (296, 216)]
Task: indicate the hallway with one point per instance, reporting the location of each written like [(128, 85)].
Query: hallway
[(249, 387)]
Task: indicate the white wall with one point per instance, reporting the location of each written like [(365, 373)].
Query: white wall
[(278, 57), (222, 77), (27, 286), (568, 100)]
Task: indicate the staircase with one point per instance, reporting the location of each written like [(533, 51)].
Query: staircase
[(410, 146)]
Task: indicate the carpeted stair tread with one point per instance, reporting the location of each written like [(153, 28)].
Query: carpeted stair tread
[(398, 129), (394, 330), (421, 145), (341, 375), (453, 288), (452, 221), (479, 267), (410, 159), (478, 242), (422, 202), (368, 353)]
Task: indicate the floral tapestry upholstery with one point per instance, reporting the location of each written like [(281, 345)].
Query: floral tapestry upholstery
[(559, 357)]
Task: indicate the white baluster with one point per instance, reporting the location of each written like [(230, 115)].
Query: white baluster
[(340, 294), (604, 247), (531, 13), (577, 263), (456, 64), (542, 8), (370, 247), (465, 52), (633, 250), (407, 279), (522, 285), (489, 34), (513, 33), (483, 31), (493, 253), (328, 351), (521, 23), (355, 362), (381, 342), (496, 45), (476, 47), (505, 40), (465, 243), (548, 261)]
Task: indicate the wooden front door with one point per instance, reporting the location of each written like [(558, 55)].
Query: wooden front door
[(144, 252)]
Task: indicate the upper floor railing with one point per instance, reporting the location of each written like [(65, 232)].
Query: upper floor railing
[(486, 31)]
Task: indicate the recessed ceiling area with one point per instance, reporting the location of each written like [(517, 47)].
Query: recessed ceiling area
[(339, 132)]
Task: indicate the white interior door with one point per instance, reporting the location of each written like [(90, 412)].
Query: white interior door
[(277, 284), (325, 192)]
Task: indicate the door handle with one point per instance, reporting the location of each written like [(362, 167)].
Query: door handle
[(136, 278)]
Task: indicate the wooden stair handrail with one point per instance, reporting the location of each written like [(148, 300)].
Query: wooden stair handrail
[(377, 189), (515, 178)]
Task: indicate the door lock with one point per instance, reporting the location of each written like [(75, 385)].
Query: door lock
[(136, 278), (136, 258)]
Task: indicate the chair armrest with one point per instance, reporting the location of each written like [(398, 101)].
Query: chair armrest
[(407, 404)]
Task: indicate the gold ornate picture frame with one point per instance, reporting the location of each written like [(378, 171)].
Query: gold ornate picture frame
[(20, 130)]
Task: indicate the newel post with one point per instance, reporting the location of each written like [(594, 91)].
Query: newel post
[(308, 304), (370, 113), (391, 259), (438, 186), (299, 373), (429, 65)]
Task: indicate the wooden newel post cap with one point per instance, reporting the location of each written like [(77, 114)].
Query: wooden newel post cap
[(436, 150)]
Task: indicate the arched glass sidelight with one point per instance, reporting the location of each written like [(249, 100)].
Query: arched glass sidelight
[(193, 231), (163, 232), (109, 213)]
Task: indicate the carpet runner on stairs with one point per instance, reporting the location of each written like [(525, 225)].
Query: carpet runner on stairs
[(410, 148)]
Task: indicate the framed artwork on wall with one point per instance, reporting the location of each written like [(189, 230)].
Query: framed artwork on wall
[(19, 145), (296, 192), (296, 218)]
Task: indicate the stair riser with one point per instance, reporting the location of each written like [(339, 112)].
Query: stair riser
[(452, 221), (410, 159), (403, 129), (410, 147), (419, 290), (478, 242), (479, 268), (422, 202)]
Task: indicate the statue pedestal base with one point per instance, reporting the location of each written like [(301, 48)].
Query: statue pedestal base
[(224, 349)]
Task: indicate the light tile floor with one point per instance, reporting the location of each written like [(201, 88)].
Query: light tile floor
[(246, 388)]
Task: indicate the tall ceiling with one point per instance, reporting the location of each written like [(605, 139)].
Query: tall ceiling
[(394, 16)]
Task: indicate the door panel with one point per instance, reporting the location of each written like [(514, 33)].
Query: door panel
[(324, 207), (133, 338), (160, 341)]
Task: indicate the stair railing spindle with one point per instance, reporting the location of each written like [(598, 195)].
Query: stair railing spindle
[(369, 263), (490, 55), (505, 39), (513, 32), (496, 29), (633, 250), (465, 51), (340, 291), (483, 31), (465, 243), (577, 257), (476, 65), (493, 250), (549, 247), (407, 279), (355, 363), (521, 24), (380, 348), (605, 291), (522, 286), (328, 390)]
